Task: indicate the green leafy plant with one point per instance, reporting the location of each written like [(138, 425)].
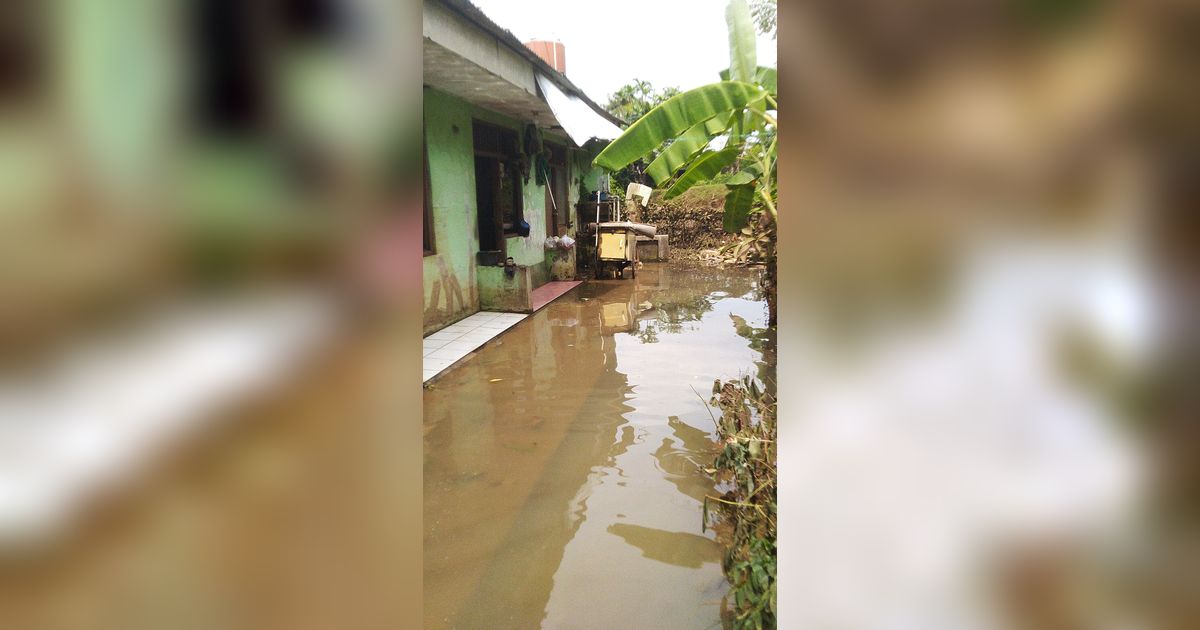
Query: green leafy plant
[(634, 99), (629, 103), (698, 135), (746, 429), (765, 16)]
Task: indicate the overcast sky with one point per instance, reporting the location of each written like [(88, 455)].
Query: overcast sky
[(679, 43)]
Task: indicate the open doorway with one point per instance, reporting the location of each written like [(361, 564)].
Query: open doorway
[(487, 189), (498, 193)]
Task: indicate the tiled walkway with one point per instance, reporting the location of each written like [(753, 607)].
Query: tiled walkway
[(441, 349)]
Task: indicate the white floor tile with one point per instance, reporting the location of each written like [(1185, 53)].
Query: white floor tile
[(436, 365), (446, 353), (462, 345), (450, 344)]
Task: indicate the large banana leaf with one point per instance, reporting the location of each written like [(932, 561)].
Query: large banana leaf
[(743, 57), (769, 79), (747, 175), (766, 77), (673, 116), (686, 146), (745, 124), (738, 202), (702, 169)]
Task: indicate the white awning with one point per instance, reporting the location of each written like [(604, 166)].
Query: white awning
[(580, 121)]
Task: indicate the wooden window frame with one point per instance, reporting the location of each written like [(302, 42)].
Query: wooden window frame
[(509, 160)]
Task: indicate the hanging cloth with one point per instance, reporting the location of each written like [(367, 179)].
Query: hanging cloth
[(532, 152)]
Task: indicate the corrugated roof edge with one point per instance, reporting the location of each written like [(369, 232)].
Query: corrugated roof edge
[(476, 16)]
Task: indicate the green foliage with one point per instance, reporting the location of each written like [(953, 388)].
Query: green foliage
[(685, 147), (737, 107), (747, 462), (674, 116), (636, 99), (740, 108), (737, 206), (702, 169), (742, 54), (748, 175), (629, 103), (765, 16), (768, 78)]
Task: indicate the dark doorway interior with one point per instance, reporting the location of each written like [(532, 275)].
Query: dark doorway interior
[(487, 191)]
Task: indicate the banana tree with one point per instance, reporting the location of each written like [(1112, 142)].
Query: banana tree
[(706, 130), (709, 128)]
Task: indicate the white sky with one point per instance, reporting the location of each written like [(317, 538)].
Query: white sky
[(680, 43)]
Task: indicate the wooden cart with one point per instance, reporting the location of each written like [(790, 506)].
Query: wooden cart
[(616, 246)]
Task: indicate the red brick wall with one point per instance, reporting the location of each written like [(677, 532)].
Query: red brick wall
[(553, 53)]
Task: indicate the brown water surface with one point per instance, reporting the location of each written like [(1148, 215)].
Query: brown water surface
[(562, 481)]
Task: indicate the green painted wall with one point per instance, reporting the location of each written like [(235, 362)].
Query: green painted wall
[(452, 282), (449, 274), (498, 292)]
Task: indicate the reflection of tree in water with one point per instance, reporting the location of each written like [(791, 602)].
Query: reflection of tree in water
[(757, 337), (680, 458), (646, 332), (689, 293), (762, 340), (669, 316), (733, 281)]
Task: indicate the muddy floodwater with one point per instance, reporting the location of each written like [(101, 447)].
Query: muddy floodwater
[(561, 479)]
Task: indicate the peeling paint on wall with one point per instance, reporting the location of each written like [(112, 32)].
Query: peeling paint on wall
[(447, 290)]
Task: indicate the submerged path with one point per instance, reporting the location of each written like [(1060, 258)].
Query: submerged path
[(561, 481)]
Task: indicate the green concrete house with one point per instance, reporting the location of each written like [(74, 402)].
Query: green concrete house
[(508, 138)]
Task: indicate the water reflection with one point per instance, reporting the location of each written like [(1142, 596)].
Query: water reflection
[(677, 548), (670, 308), (561, 460), (679, 459)]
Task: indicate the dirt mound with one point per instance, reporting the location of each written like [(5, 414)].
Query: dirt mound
[(693, 219)]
